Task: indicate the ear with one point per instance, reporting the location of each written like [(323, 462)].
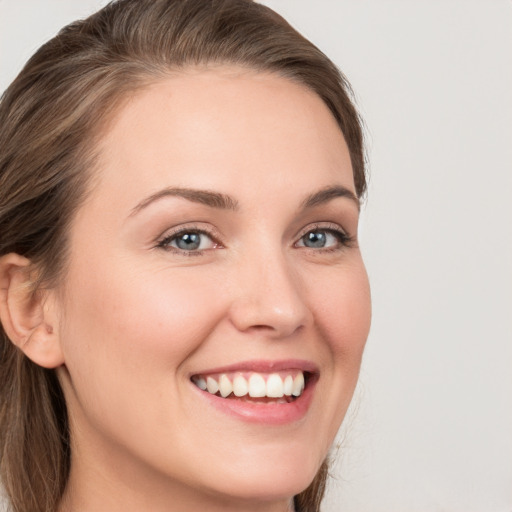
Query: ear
[(29, 319)]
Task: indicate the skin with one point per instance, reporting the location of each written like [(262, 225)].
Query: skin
[(134, 320)]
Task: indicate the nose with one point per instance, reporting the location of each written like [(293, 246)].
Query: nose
[(269, 298)]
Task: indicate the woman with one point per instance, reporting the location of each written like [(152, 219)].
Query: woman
[(183, 301)]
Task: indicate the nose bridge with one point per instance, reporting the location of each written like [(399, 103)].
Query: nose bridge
[(269, 295)]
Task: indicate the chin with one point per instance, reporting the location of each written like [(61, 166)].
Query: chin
[(269, 481)]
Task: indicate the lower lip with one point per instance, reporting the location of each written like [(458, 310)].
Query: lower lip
[(264, 413)]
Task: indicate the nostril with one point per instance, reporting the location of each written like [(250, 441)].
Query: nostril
[(273, 331)]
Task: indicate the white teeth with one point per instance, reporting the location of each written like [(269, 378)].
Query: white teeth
[(212, 385), (257, 386), (298, 384), (225, 386), (240, 387), (275, 386), (200, 383), (288, 385)]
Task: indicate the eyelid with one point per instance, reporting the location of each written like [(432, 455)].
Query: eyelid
[(322, 226), (172, 233), (344, 238)]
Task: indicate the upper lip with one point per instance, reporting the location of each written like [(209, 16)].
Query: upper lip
[(263, 366)]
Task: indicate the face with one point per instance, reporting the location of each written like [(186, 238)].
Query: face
[(217, 249)]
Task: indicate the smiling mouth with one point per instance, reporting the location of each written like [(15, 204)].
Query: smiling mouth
[(276, 387)]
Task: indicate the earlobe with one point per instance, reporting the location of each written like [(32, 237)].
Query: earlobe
[(29, 319)]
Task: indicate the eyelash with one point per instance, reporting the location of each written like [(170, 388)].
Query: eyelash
[(344, 240), (165, 242)]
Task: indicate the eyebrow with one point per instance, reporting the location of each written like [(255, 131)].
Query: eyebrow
[(206, 197), (327, 194), (225, 202)]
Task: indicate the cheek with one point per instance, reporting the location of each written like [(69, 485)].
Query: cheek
[(344, 313), (170, 312), (124, 321), (126, 338)]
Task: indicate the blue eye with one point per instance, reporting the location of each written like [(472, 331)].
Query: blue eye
[(315, 239), (323, 239), (188, 241)]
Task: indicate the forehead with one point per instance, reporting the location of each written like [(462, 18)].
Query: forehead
[(223, 128)]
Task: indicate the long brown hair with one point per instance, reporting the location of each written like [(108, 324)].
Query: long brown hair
[(49, 118)]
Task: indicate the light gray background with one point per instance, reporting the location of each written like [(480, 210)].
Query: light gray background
[(433, 427)]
